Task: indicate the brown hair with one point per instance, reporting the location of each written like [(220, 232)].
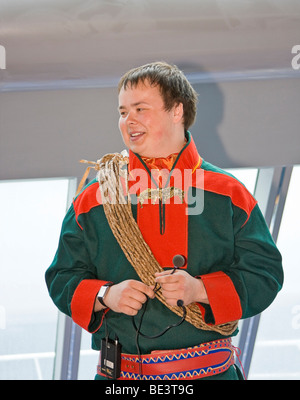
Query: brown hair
[(174, 87)]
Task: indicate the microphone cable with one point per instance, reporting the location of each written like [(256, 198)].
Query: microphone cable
[(178, 261)]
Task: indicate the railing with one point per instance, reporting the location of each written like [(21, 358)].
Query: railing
[(259, 344), (36, 357)]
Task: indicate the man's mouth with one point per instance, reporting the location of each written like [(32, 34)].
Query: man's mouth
[(136, 135)]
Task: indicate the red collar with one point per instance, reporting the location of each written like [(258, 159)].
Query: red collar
[(188, 158), (161, 162)]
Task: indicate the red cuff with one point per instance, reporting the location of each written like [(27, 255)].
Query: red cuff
[(223, 299), (83, 300)]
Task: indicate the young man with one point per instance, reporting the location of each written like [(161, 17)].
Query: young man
[(176, 323)]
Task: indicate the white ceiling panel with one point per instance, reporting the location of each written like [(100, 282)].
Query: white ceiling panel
[(93, 42)]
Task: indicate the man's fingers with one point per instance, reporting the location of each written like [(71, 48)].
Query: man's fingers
[(165, 277), (128, 296), (142, 288)]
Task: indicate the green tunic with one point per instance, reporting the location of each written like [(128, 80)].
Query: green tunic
[(226, 243)]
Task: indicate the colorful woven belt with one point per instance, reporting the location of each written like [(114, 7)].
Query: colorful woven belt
[(196, 362)]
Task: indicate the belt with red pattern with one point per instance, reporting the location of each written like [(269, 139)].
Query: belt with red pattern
[(195, 362)]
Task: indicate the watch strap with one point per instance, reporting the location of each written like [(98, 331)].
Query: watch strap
[(108, 284)]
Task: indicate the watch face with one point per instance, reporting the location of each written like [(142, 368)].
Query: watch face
[(102, 291)]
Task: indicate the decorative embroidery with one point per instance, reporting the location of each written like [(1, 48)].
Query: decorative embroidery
[(162, 194), (192, 352)]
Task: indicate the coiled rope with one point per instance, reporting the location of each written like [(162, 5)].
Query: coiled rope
[(117, 208)]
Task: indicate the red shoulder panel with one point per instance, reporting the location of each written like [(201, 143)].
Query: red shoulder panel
[(226, 185), (86, 200)]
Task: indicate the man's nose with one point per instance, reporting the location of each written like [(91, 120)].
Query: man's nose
[(131, 118)]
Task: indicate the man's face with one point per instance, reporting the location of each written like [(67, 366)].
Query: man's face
[(147, 128)]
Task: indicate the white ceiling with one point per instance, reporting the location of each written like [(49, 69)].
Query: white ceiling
[(76, 42)]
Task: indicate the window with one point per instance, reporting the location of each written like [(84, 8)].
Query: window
[(245, 175), (277, 349), (88, 358), (32, 213)]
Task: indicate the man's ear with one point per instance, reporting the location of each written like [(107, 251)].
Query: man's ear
[(178, 112)]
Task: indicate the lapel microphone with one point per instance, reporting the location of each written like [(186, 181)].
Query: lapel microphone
[(178, 262)]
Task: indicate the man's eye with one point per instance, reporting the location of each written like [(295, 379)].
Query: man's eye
[(123, 113)]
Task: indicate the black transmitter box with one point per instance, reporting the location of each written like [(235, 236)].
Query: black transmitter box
[(111, 358)]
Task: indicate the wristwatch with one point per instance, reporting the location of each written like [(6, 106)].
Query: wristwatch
[(102, 292)]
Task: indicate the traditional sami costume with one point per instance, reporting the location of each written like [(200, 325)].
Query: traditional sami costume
[(224, 239)]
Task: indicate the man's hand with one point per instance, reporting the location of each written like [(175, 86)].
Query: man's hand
[(181, 286), (126, 297)]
